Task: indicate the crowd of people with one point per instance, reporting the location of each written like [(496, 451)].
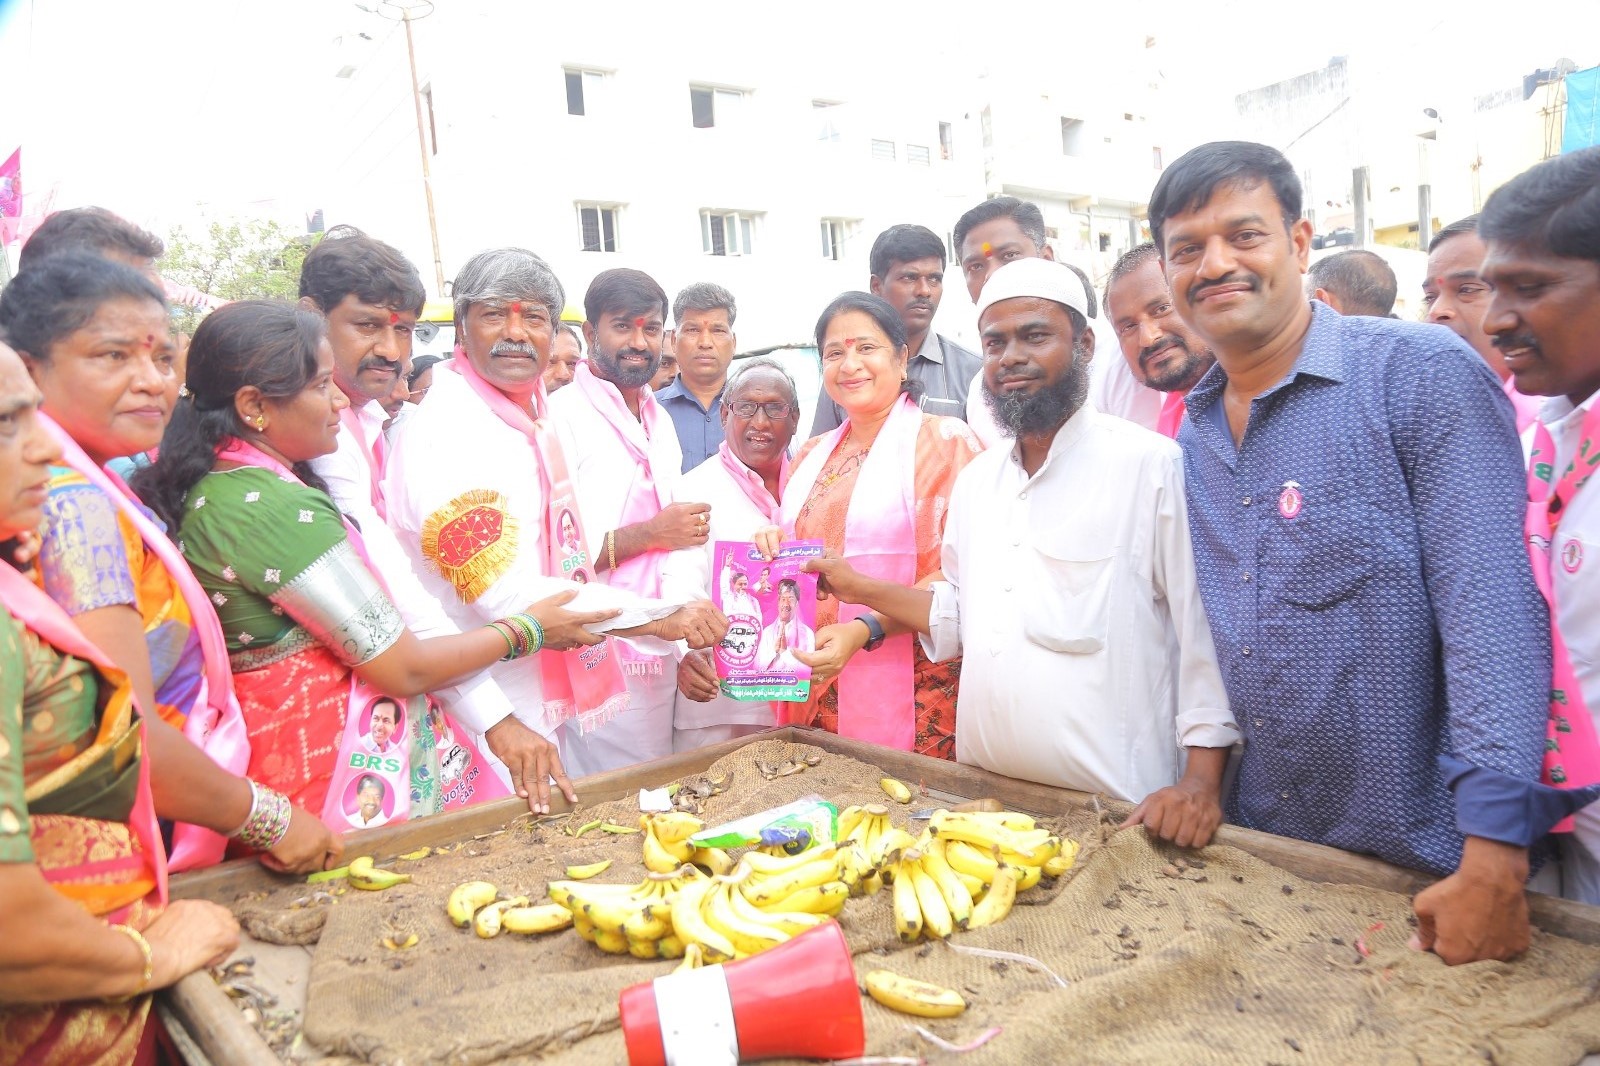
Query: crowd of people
[(1222, 540)]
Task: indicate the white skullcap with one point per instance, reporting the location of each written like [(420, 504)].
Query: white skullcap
[(1041, 278)]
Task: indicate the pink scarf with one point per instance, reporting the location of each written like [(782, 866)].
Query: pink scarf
[(24, 601), (750, 483), (1170, 420), (585, 683), (1572, 751), (350, 418), (877, 690), (215, 723)]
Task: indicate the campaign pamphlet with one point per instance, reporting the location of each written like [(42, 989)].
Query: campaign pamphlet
[(772, 613)]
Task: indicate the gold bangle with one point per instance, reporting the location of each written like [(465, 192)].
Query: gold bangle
[(149, 963), (611, 550)]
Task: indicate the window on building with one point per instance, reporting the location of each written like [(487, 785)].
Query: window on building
[(583, 90), (883, 150), (727, 232), (836, 234), (826, 130), (597, 227), (1071, 136), (713, 107), (433, 129), (947, 142), (917, 154)]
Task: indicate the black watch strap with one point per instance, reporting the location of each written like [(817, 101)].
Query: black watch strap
[(875, 634)]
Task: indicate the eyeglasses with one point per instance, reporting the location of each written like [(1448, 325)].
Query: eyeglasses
[(747, 409)]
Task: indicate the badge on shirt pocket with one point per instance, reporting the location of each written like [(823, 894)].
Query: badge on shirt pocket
[(1291, 501), (1572, 555)]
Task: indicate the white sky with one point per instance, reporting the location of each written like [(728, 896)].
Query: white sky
[(154, 107)]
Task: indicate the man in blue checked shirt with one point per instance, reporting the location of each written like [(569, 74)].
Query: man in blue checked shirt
[(1356, 499)]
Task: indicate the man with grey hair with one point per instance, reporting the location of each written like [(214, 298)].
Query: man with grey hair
[(760, 414), (479, 488), (1354, 282), (703, 341)]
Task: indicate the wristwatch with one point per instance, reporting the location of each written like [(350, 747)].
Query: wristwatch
[(875, 635)]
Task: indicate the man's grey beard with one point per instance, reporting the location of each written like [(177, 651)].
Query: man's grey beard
[(1043, 410)]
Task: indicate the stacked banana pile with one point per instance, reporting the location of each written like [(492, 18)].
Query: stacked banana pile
[(667, 847)]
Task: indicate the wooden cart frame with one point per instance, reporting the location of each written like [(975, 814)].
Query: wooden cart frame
[(209, 1030)]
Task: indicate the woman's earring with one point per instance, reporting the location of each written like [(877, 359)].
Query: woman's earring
[(261, 423)]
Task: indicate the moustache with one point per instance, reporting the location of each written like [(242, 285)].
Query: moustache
[(373, 362), (632, 353), (1200, 288), (514, 348), (1147, 354), (1515, 340), (919, 306)]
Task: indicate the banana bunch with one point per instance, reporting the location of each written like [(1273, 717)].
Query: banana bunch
[(628, 919), (868, 828), (966, 869), (666, 840), (765, 900)]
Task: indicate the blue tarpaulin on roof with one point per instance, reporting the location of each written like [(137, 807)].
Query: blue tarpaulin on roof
[(1583, 110)]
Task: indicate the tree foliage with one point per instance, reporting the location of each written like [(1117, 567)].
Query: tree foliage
[(236, 259)]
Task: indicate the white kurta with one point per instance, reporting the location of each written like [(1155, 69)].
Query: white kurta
[(476, 703), (454, 447), (689, 573), (1088, 661), (1575, 582), (603, 474)]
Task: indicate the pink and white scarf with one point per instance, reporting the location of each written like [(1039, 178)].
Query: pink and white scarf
[(877, 690), (585, 683), (750, 483)]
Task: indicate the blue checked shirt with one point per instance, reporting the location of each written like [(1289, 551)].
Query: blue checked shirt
[(1384, 647)]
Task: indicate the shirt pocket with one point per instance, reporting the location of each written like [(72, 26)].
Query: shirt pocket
[(1073, 614), (1325, 555)]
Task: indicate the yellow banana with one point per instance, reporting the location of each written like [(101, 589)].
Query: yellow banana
[(789, 922), (913, 997), (996, 903), (773, 887), (643, 949), (466, 899), (486, 923), (890, 841), (849, 818), (871, 884), (896, 790), (762, 863), (650, 922), (693, 959), (907, 911), (1062, 862), (569, 893), (689, 924), (670, 947), (827, 898), (610, 943), (936, 920), (715, 860), (1028, 876), (584, 927), (962, 826), (956, 896), (749, 938), (612, 914), (970, 859), (675, 827), (545, 918), (1008, 819), (593, 869), (363, 874), (1041, 853), (657, 856)]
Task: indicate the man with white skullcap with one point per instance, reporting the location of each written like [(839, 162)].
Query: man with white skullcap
[(1069, 583)]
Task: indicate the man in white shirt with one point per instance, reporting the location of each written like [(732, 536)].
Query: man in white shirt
[(787, 634), (1069, 584), (1542, 231), (381, 726), (371, 296), (475, 488), (741, 482), (1162, 355), (370, 793), (626, 463)]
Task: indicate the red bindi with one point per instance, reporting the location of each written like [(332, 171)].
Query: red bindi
[(516, 307), (988, 250), (394, 319), (638, 323)]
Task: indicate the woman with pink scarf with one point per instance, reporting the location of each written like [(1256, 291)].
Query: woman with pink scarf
[(876, 491)]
